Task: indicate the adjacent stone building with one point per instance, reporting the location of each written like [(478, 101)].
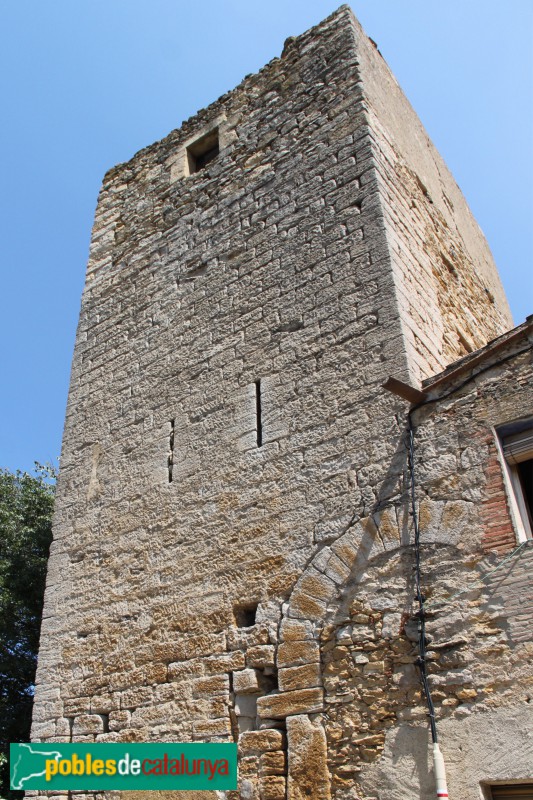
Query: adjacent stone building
[(233, 550)]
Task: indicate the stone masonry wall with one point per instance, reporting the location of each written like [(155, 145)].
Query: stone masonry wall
[(270, 265), (229, 453), (479, 614), (372, 686)]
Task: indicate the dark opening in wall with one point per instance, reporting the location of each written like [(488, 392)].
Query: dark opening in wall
[(268, 680), (245, 615), (203, 151), (510, 791), (258, 420), (171, 451)]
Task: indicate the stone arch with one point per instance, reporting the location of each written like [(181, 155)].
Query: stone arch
[(300, 699)]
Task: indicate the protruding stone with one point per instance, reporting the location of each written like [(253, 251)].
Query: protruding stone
[(255, 742), (308, 771), (304, 677), (300, 701), (294, 653), (246, 681)]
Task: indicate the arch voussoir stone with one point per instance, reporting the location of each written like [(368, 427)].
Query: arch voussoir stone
[(300, 698)]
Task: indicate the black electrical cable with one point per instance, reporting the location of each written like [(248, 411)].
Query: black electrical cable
[(421, 613)]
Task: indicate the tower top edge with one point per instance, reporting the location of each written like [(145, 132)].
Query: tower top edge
[(342, 16)]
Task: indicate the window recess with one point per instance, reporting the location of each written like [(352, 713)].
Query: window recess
[(201, 152), (511, 791), (516, 445), (245, 615), (258, 415)]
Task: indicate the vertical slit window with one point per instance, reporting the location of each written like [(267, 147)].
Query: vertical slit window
[(171, 451), (258, 420)]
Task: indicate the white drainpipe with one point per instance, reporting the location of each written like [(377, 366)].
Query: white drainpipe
[(440, 772)]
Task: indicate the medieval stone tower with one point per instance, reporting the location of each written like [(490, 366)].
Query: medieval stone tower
[(231, 462)]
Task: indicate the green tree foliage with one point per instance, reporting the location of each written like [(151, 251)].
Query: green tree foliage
[(26, 505)]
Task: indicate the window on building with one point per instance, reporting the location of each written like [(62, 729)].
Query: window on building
[(511, 791), (203, 151), (516, 444)]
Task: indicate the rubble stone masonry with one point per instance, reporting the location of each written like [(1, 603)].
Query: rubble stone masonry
[(232, 554)]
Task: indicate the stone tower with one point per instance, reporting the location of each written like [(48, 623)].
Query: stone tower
[(253, 280)]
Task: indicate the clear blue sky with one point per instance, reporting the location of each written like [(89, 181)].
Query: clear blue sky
[(86, 84)]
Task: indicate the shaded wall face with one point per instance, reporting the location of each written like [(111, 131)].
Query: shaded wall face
[(449, 292), (265, 272)]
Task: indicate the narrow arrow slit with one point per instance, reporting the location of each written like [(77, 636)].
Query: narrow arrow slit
[(171, 451), (258, 421)]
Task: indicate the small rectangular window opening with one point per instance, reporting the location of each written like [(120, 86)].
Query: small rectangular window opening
[(258, 420), (516, 443), (245, 615), (204, 150)]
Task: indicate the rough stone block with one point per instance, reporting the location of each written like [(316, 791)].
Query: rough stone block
[(119, 720), (105, 703), (137, 697), (300, 701), (317, 585), (306, 676), (209, 728), (272, 787), (337, 570), (254, 742), (213, 685), (307, 607), (273, 763), (87, 723), (308, 770), (292, 630), (225, 663), (261, 656), (293, 653), (246, 681), (156, 673)]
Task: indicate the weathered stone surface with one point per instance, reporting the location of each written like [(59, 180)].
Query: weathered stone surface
[(261, 742), (302, 677), (261, 656), (292, 630), (246, 681), (293, 653), (234, 490), (308, 772), (272, 787), (279, 706), (273, 763)]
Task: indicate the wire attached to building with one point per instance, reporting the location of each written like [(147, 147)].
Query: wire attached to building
[(438, 761), (421, 613)]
